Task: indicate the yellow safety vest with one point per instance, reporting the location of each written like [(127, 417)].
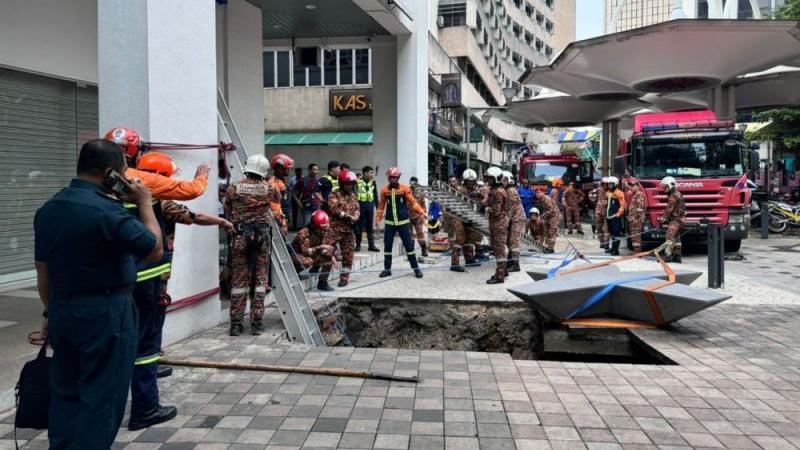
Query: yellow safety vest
[(365, 191), (334, 182)]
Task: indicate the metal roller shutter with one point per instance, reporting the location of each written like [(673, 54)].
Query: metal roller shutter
[(43, 122)]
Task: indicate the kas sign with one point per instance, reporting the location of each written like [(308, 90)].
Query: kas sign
[(350, 102)]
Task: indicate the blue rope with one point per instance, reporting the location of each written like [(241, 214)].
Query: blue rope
[(601, 294), (565, 262)]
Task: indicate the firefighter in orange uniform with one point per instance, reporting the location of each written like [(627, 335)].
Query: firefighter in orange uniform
[(396, 203)]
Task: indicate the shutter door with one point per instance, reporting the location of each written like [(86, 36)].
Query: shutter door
[(42, 123)]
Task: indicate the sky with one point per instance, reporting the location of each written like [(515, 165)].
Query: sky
[(589, 19)]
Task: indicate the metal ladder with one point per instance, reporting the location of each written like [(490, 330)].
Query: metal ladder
[(297, 316)]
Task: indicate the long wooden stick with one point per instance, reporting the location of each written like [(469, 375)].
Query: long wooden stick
[(335, 372)]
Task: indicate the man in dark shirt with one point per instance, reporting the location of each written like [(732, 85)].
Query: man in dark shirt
[(85, 247), (330, 182)]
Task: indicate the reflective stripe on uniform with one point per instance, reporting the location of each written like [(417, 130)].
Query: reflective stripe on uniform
[(153, 272), (394, 208), (144, 360), (365, 190), (237, 291), (402, 222), (260, 289)]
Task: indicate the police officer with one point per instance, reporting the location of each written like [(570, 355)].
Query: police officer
[(615, 210), (86, 245), (366, 192), (247, 204), (674, 217), (396, 202), (329, 183)]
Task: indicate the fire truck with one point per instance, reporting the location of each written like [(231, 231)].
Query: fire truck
[(541, 166), (709, 160)]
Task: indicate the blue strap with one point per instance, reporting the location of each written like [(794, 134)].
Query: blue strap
[(601, 294), (565, 262)]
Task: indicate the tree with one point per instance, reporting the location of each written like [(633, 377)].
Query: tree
[(789, 11)]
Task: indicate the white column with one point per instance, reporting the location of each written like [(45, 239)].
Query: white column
[(384, 109), (157, 73), (412, 96)]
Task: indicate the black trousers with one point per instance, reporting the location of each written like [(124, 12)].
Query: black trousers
[(367, 210), (144, 383), (615, 229), (388, 241), (94, 346)]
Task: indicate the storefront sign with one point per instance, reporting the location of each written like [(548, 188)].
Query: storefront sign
[(442, 127), (476, 134), (350, 102), (458, 132), (450, 93)]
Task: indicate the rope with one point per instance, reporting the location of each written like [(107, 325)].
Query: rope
[(224, 146)]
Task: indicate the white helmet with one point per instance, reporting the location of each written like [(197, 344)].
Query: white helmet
[(613, 181), (469, 174), (509, 175), (496, 173), (669, 184), (258, 165), (534, 210)]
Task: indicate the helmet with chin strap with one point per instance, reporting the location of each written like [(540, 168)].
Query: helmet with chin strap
[(669, 184), (495, 173)]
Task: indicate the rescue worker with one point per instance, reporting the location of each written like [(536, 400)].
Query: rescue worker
[(366, 191), (497, 205), (344, 212), (418, 220), (615, 210), (464, 237), (674, 217), (453, 182), (636, 214), (396, 203), (536, 226), (329, 183), (309, 250), (551, 217), (86, 244), (281, 164), (161, 187), (516, 222), (556, 195), (248, 203), (571, 201), (600, 213)]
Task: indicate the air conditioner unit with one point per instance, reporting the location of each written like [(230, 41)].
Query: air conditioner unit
[(440, 21)]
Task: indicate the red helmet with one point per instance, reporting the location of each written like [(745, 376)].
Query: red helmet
[(319, 218), (393, 172), (346, 176), (126, 138), (281, 160), (157, 162)]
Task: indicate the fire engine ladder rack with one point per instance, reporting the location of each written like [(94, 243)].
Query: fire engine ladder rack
[(298, 318), (464, 208)]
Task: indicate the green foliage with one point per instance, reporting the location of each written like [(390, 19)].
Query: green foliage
[(785, 126), (789, 11)]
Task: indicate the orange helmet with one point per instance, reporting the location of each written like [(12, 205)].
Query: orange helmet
[(558, 182), (157, 162), (281, 160), (393, 172), (127, 138)]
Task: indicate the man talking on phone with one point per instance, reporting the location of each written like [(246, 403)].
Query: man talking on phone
[(86, 245)]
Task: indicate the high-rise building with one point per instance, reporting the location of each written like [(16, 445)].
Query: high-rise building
[(623, 15)]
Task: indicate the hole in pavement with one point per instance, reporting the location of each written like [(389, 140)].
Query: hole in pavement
[(481, 326)]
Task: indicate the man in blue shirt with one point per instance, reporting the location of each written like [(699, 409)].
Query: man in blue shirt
[(85, 247), (527, 196)]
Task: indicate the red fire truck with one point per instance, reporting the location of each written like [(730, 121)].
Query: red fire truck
[(708, 159), (541, 168)]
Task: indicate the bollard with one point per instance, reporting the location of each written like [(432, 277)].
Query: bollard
[(716, 256), (764, 205)]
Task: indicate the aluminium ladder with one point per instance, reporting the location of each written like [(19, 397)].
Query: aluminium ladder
[(298, 318)]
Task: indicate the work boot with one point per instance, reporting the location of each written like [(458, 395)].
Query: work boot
[(569, 232), (163, 371), (385, 273), (457, 268), (514, 267), (418, 273), (494, 280), (236, 329), (548, 250), (676, 258), (580, 231), (324, 286), (424, 247), (357, 249), (159, 414), (256, 328), (342, 282), (372, 248), (472, 262)]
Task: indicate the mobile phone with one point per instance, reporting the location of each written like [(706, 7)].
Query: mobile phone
[(118, 184)]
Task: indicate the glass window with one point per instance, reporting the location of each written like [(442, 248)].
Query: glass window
[(329, 66), (362, 66), (299, 76), (314, 76), (269, 69), (283, 69), (346, 66), (709, 158)]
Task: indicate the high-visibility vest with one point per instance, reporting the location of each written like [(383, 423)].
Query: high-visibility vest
[(149, 270), (334, 182), (365, 191)]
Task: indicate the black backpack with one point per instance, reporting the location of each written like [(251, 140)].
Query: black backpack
[(33, 392)]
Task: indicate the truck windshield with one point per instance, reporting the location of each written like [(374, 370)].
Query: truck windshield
[(687, 159), (545, 172)]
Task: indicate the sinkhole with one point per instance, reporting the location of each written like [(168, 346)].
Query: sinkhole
[(479, 326)]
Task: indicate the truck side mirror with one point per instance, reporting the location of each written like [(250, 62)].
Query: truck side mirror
[(620, 165)]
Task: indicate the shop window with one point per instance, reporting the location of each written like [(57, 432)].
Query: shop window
[(454, 14), (329, 67), (346, 66), (269, 69), (314, 76), (284, 69), (362, 66), (299, 76)]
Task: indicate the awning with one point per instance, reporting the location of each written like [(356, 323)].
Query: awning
[(448, 146), (347, 138)]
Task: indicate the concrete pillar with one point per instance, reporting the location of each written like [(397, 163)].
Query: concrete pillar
[(605, 151), (157, 73), (412, 96), (722, 101), (613, 144), (384, 109)]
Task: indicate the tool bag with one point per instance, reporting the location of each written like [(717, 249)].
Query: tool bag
[(33, 392)]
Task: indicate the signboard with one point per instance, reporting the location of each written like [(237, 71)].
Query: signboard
[(442, 127), (476, 134), (350, 102), (458, 131), (450, 92)]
